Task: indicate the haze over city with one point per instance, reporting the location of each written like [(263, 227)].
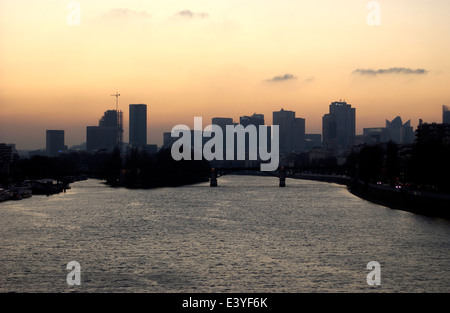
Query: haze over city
[(217, 58)]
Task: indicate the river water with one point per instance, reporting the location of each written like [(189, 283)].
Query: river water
[(247, 235)]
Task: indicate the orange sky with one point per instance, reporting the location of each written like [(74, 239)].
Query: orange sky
[(208, 58)]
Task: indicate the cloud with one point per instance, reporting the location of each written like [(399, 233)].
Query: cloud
[(126, 13), (392, 70), (190, 14), (282, 78), (309, 79)]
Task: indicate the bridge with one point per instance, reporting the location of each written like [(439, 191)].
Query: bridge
[(282, 172)]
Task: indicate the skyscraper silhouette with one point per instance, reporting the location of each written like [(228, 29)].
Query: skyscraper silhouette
[(398, 132), (292, 131), (108, 133), (339, 126), (445, 114), (138, 124), (54, 142)]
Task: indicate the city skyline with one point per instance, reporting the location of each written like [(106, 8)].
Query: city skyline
[(215, 120), (203, 58)]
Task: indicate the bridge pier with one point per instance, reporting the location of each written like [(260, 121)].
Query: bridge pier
[(213, 181), (282, 177)]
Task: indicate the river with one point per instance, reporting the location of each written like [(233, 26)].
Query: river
[(246, 235)]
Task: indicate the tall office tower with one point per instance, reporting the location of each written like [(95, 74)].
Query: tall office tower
[(398, 132), (339, 126), (54, 142), (445, 114), (291, 131), (108, 134), (138, 124), (113, 118)]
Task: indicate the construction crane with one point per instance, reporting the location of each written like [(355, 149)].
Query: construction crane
[(118, 121), (117, 95)]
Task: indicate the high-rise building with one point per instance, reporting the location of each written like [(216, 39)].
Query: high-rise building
[(100, 138), (291, 131), (138, 124), (54, 142), (338, 126), (108, 134), (445, 114)]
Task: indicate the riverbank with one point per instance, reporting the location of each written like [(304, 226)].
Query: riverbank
[(419, 202), (28, 188)]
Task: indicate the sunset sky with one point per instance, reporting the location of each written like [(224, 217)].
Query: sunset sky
[(223, 58)]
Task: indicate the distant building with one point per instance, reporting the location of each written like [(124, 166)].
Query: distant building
[(100, 138), (113, 118), (223, 122), (339, 126), (291, 130), (54, 142), (255, 119), (7, 152), (394, 131), (433, 133), (359, 140), (151, 149), (80, 147), (108, 134), (398, 132), (313, 141), (168, 140), (445, 114), (38, 152), (375, 135), (138, 124)]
